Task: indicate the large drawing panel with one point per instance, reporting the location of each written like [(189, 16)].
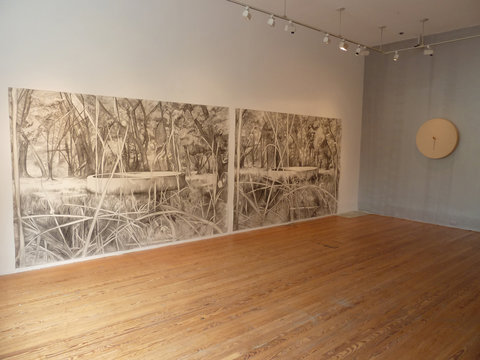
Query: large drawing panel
[(98, 174), (286, 167)]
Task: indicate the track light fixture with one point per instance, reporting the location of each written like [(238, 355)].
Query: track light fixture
[(343, 45), (358, 50), (271, 21), (326, 39), (290, 27), (364, 51), (361, 50), (246, 13), (428, 51)]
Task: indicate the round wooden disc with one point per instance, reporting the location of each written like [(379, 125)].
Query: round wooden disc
[(437, 138)]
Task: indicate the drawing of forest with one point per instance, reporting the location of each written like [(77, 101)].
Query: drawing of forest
[(98, 174), (287, 167)]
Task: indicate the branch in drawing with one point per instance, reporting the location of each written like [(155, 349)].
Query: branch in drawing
[(63, 142), (287, 167)]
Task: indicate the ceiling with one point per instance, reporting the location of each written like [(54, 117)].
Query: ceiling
[(362, 18)]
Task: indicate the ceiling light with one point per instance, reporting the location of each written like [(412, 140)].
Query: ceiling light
[(428, 51), (326, 39), (343, 44), (290, 27), (358, 50), (396, 56), (246, 13), (271, 21), (364, 51)]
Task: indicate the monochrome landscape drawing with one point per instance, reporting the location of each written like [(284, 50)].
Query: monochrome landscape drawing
[(98, 174), (287, 167)]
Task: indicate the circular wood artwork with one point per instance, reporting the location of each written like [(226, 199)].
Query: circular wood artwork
[(437, 138)]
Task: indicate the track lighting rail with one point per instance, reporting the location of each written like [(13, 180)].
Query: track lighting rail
[(298, 23), (423, 46), (343, 39)]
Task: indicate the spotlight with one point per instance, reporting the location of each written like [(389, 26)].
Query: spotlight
[(343, 45), (358, 50), (396, 56), (246, 13), (326, 39), (271, 21), (290, 27), (364, 51), (428, 51)]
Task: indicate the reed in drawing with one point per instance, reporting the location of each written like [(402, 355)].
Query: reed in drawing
[(96, 174), (287, 167)]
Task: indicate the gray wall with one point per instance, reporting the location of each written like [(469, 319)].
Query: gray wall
[(395, 179)]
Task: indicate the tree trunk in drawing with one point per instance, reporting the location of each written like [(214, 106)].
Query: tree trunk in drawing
[(37, 158), (68, 214), (22, 158), (161, 158), (81, 134), (141, 159), (16, 178), (239, 137), (23, 104)]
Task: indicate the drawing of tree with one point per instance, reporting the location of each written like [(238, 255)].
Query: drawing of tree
[(286, 167), (62, 141)]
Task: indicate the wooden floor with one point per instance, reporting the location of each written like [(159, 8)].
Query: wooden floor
[(368, 287)]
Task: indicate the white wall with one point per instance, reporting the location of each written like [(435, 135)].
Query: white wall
[(174, 50)]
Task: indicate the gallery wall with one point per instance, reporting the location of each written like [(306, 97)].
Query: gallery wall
[(396, 179), (176, 50)]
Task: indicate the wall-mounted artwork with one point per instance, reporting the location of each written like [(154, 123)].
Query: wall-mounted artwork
[(97, 174), (287, 167)]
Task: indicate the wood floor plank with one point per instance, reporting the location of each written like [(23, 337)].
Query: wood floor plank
[(368, 287)]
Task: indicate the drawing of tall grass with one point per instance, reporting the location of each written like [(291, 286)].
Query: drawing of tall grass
[(60, 139), (57, 229), (287, 168)]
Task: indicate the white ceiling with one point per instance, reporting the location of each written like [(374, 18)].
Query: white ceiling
[(362, 18)]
